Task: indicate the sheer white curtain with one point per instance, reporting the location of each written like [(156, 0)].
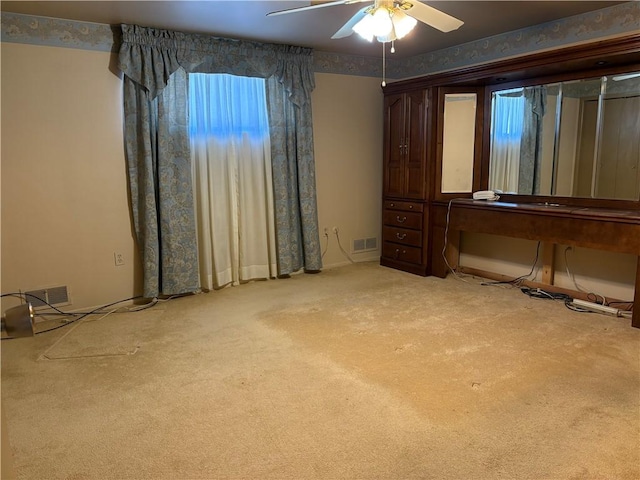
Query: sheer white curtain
[(231, 156), (506, 137)]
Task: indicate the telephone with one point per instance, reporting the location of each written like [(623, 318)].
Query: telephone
[(485, 195)]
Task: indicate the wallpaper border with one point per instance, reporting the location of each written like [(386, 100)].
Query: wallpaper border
[(616, 20), (57, 32)]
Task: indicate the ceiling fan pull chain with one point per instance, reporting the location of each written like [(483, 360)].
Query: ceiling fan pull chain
[(384, 66)]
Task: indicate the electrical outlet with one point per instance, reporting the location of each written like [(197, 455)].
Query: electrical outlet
[(118, 259)]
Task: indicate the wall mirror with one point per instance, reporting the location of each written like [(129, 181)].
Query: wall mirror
[(458, 142), (578, 138)]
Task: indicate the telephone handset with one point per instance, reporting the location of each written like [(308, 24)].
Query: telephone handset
[(485, 195)]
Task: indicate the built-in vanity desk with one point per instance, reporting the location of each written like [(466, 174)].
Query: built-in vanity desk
[(558, 129), (597, 228)]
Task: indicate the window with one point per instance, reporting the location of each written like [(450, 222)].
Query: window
[(223, 105), (231, 159)]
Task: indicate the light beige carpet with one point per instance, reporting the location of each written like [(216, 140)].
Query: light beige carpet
[(357, 372)]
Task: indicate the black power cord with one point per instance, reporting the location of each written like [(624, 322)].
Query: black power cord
[(546, 295), (78, 315)]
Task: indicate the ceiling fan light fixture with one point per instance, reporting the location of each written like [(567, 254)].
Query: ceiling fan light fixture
[(364, 28), (402, 23), (382, 25), (386, 21), (377, 23)]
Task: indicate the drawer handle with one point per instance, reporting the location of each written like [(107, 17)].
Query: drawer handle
[(401, 236), (392, 204), (401, 220), (410, 207), (404, 252)]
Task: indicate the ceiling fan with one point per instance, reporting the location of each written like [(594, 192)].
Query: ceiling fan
[(385, 20)]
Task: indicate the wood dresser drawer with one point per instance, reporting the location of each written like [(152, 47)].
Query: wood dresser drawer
[(395, 218), (403, 238), (402, 253), (402, 235), (405, 206)]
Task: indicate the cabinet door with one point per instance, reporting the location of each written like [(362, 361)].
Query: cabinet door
[(415, 131), (394, 158)]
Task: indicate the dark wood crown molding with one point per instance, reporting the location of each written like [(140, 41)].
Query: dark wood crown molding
[(603, 56)]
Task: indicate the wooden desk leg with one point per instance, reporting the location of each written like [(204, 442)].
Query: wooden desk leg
[(635, 319), (548, 258)]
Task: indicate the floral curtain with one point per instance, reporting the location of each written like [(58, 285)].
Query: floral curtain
[(531, 146), (157, 151), (150, 59), (294, 192)]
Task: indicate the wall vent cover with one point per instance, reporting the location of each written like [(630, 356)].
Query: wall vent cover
[(371, 243), (37, 298), (52, 296), (365, 244), (358, 245)]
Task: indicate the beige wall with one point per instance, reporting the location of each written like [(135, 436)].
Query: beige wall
[(64, 190), (347, 118)]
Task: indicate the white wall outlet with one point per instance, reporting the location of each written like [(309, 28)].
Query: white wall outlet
[(118, 258)]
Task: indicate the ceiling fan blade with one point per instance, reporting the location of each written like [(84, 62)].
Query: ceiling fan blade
[(314, 6), (347, 28), (430, 15), (310, 7)]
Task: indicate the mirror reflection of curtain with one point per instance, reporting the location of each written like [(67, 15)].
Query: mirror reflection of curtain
[(506, 135), (231, 154), (590, 138), (531, 145)]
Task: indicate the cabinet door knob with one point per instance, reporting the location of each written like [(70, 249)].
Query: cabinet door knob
[(401, 236), (401, 220), (392, 204), (397, 253), (410, 207)]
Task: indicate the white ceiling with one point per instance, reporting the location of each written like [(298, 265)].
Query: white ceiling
[(246, 19)]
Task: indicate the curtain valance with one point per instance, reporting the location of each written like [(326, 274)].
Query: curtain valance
[(149, 56)]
